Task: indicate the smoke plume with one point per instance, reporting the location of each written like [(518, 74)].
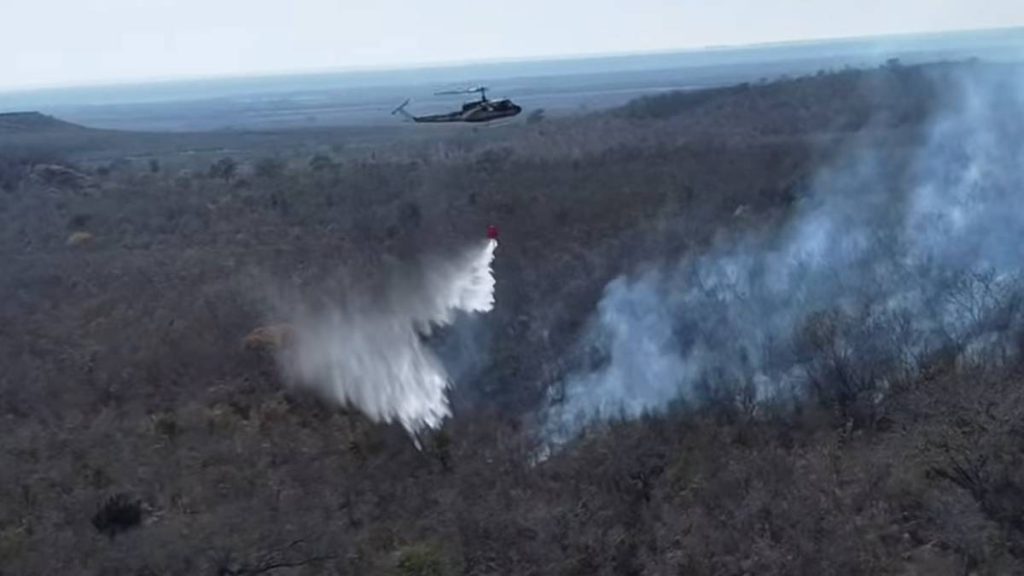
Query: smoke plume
[(366, 348), (895, 255)]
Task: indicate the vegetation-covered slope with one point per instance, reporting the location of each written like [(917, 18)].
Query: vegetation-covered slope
[(141, 436)]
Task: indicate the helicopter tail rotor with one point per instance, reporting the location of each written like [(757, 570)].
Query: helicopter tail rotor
[(401, 110)]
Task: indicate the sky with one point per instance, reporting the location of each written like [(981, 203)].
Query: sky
[(75, 42)]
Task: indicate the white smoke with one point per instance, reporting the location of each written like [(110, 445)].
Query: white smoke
[(368, 350), (890, 257)]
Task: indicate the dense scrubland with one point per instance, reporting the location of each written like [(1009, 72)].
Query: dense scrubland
[(143, 434)]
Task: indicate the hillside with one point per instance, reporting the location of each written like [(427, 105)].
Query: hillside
[(145, 428), (33, 123)]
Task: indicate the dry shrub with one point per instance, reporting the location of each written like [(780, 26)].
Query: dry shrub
[(270, 338), (119, 513), (79, 239), (61, 176)]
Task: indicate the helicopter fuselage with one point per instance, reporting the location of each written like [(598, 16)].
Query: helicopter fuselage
[(476, 111), (489, 110)]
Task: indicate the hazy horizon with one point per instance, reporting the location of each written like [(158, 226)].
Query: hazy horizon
[(116, 42), (415, 66)]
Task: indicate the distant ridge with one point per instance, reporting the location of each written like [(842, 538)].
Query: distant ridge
[(33, 122)]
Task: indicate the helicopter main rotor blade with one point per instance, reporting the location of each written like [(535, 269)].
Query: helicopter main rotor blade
[(479, 89)]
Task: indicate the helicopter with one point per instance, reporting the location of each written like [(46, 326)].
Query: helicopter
[(482, 110)]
